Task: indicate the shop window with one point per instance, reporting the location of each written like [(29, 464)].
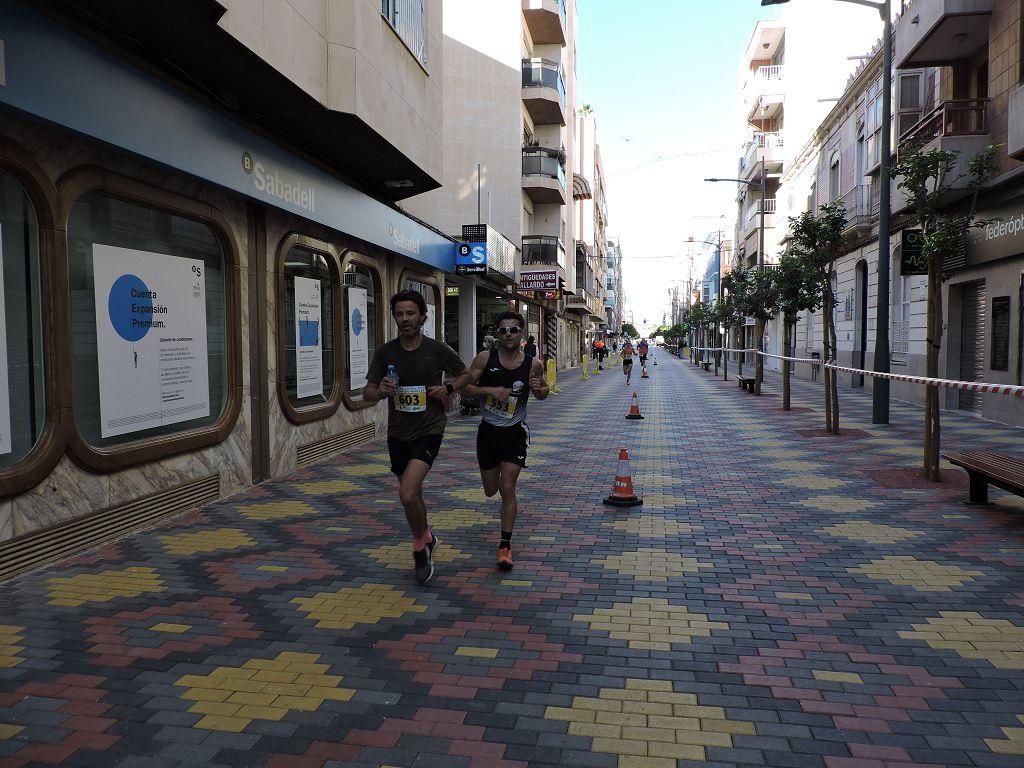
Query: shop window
[(22, 389), (149, 321), (362, 294), (307, 329), (429, 293)]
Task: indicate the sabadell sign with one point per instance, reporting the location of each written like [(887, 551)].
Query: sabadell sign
[(1001, 235)]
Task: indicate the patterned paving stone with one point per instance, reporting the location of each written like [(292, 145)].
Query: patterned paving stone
[(783, 598)]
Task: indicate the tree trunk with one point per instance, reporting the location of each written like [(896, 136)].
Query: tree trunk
[(725, 354), (932, 419), (717, 337), (834, 381), (741, 336), (759, 361), (787, 335)]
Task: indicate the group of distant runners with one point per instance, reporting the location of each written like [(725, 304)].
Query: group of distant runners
[(627, 357), (408, 371)]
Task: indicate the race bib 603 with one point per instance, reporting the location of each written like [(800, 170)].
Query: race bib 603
[(411, 399)]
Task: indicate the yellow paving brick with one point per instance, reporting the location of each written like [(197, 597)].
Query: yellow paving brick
[(621, 718), (620, 746), (625, 695), (838, 677), (10, 731), (300, 703), (594, 729), (633, 761), (274, 676), (649, 685), (331, 694), (694, 710), (173, 628), (222, 723), (602, 705), (205, 694), (286, 689), (647, 707), (676, 751), (256, 699), (674, 723), (649, 734), (242, 686), (666, 697), (571, 715)]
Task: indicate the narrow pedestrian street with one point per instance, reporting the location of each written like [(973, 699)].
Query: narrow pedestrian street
[(781, 598)]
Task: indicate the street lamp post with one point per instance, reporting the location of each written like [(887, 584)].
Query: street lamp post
[(761, 185), (880, 387)]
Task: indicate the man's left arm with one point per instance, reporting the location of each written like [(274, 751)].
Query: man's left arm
[(538, 384)]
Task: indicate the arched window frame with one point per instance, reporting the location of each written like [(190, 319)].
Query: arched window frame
[(144, 450), (321, 411), (51, 443)]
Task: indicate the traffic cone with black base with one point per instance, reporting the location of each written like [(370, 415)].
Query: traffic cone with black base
[(622, 489), (634, 409)]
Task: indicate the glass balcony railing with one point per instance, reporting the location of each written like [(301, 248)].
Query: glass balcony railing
[(543, 73), (546, 250), (540, 161)]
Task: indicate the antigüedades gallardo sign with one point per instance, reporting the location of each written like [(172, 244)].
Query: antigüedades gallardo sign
[(1001, 235)]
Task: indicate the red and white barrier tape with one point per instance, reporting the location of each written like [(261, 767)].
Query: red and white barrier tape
[(971, 386)]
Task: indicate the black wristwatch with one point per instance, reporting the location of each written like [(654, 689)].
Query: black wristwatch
[(449, 388)]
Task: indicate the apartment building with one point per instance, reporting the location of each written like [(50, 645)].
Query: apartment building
[(614, 286), (590, 297), (509, 163), (789, 77), (199, 238), (946, 95)]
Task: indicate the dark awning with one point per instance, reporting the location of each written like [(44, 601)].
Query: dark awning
[(581, 188)]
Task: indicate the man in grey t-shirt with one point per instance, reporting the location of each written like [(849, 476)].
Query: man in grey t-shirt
[(416, 415)]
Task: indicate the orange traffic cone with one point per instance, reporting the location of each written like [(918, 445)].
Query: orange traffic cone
[(622, 489), (634, 409)]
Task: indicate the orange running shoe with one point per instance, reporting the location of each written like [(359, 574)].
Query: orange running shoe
[(505, 558)]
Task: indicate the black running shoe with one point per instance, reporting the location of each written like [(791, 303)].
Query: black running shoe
[(424, 560)]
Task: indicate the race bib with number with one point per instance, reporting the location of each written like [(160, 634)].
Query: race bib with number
[(502, 410), (411, 399)]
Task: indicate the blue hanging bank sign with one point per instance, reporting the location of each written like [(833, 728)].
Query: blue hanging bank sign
[(471, 258)]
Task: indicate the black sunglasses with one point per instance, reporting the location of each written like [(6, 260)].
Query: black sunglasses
[(506, 329)]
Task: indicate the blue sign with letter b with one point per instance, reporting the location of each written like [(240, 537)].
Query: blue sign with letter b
[(470, 258)]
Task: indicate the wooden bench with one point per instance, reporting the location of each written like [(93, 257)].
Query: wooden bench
[(746, 383), (984, 469)]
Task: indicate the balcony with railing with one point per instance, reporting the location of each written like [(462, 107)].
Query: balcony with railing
[(934, 33), (546, 21), (857, 204), (752, 216), (1015, 124), (767, 146), (956, 125), (544, 91), (544, 175), (543, 251)]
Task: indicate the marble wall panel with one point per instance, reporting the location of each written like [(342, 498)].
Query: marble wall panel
[(68, 492), (6, 519)]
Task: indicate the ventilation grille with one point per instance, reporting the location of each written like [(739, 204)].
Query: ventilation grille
[(311, 453), (76, 536)]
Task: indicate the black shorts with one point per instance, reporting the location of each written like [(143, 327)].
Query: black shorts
[(627, 363), (497, 444), (643, 359), (423, 448)]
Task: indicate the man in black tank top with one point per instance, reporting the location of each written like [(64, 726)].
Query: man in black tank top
[(503, 379)]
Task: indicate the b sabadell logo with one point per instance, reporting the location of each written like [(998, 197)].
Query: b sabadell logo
[(271, 183)]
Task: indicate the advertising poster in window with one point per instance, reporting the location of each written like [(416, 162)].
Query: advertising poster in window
[(309, 348), (5, 392), (428, 326), (150, 339), (358, 348)]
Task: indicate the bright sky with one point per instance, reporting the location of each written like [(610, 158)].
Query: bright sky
[(661, 77)]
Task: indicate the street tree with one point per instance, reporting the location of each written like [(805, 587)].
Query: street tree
[(629, 330), (728, 317), (817, 239), (797, 292), (927, 178), (699, 316), (755, 294)]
